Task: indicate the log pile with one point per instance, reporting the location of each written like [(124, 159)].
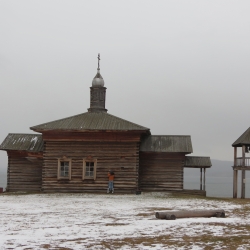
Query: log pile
[(172, 215)]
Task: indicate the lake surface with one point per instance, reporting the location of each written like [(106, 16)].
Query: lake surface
[(217, 186)]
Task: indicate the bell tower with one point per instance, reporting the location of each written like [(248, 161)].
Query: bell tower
[(97, 92)]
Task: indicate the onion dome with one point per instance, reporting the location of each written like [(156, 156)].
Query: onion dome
[(98, 80)]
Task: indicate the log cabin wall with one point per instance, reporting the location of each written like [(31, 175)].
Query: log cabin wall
[(121, 157), (24, 174), (161, 171)]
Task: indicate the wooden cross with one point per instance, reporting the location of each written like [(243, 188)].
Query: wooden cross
[(99, 60)]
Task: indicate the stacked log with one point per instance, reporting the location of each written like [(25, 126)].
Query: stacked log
[(161, 171), (121, 157), (172, 215)]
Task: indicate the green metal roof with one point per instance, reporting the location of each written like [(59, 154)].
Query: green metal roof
[(90, 121), (27, 142), (197, 162), (167, 143), (244, 139)]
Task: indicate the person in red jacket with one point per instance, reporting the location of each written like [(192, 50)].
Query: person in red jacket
[(111, 176)]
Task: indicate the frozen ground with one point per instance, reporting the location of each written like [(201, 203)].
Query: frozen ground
[(93, 221)]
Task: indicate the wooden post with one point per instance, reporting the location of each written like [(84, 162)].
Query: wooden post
[(204, 179), (235, 178), (243, 174), (201, 179), (235, 156), (235, 192)]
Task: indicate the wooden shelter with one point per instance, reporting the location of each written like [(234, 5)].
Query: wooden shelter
[(241, 163), (74, 154), (202, 163), (25, 162)]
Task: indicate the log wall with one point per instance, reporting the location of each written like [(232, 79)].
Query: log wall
[(24, 174), (121, 157), (161, 171)]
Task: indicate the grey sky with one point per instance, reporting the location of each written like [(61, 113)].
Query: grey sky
[(177, 67)]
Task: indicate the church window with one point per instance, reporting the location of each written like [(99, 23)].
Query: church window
[(89, 169), (64, 169)]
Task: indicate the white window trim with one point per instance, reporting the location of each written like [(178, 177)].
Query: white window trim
[(84, 169), (59, 169)]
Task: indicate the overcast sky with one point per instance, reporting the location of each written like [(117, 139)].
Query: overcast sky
[(176, 67)]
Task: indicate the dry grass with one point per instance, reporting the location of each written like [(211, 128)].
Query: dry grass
[(206, 242), (232, 235)]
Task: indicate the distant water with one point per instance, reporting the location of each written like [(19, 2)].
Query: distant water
[(3, 180), (217, 186)]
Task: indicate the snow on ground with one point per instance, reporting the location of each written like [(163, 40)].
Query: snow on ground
[(94, 221)]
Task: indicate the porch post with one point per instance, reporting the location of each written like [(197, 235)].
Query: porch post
[(235, 178), (201, 179), (243, 174), (235, 156), (204, 179), (235, 184)]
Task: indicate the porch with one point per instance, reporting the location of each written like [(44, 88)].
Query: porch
[(242, 162), (202, 163)]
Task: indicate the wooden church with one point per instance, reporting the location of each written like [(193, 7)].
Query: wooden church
[(74, 154)]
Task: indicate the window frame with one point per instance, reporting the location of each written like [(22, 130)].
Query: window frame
[(59, 177), (84, 177)]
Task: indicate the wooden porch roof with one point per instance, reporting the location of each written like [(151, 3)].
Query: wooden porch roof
[(167, 143), (197, 162), (23, 142)]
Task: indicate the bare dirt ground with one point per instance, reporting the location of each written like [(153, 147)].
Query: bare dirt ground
[(94, 221)]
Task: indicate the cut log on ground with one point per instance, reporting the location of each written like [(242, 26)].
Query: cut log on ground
[(172, 215)]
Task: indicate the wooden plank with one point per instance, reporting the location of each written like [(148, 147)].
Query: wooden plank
[(23, 174), (122, 157), (235, 184), (243, 174), (92, 136), (161, 171)]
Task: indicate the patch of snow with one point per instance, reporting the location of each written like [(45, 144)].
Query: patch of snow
[(79, 221)]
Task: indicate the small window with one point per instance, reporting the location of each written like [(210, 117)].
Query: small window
[(64, 169), (89, 169)]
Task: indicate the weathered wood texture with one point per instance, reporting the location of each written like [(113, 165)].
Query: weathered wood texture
[(189, 214), (92, 136), (24, 174), (121, 157), (161, 171)]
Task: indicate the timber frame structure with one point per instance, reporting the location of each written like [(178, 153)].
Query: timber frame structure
[(74, 154), (241, 163)]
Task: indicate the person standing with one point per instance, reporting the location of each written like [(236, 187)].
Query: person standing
[(111, 176)]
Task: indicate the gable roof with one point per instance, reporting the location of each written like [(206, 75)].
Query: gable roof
[(244, 139), (27, 142), (197, 162), (167, 143), (90, 121)]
